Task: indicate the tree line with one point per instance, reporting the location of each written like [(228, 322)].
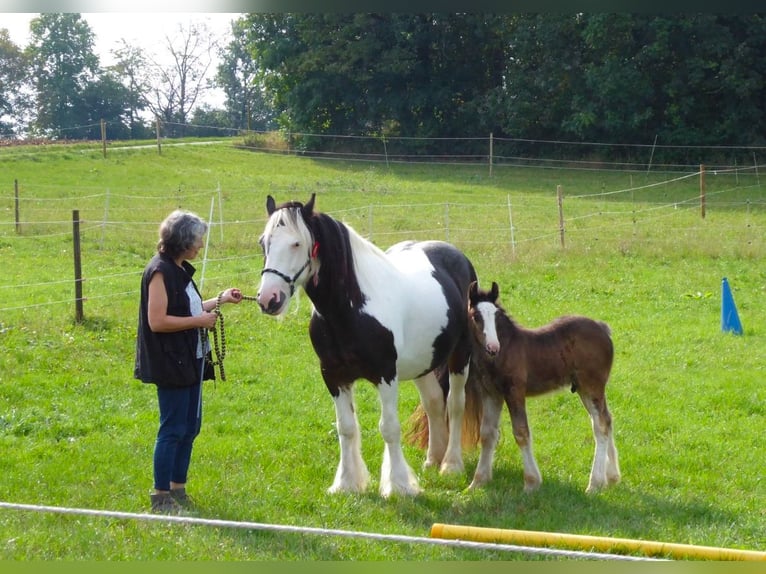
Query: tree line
[(682, 80)]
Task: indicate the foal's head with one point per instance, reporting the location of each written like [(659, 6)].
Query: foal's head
[(483, 309)]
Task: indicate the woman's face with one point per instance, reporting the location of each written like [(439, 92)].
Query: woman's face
[(193, 251)]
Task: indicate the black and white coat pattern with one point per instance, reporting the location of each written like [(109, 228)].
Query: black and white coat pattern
[(382, 316)]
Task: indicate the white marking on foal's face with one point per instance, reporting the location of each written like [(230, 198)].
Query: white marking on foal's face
[(488, 311)]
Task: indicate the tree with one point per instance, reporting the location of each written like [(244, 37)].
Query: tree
[(63, 64), (13, 65), (176, 87), (242, 82), (131, 69), (380, 74)]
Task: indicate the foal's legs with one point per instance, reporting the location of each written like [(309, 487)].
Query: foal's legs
[(492, 407), (517, 408), (352, 474), (396, 476), (606, 468)]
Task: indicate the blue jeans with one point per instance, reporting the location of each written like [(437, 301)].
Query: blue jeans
[(180, 423)]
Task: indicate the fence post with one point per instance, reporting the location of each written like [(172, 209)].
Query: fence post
[(560, 195), (16, 205), (106, 218), (103, 136), (159, 144), (510, 220), (78, 314), (702, 191), (491, 151)]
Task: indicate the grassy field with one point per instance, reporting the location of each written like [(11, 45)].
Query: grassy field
[(688, 401)]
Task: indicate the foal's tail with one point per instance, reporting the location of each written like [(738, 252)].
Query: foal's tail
[(417, 432)]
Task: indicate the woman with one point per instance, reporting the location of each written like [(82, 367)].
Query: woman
[(173, 353)]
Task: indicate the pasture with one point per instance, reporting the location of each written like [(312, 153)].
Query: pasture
[(688, 402)]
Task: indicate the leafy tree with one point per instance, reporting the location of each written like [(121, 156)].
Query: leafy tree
[(382, 74), (131, 68), (63, 64), (242, 83), (13, 65), (207, 121), (105, 98)]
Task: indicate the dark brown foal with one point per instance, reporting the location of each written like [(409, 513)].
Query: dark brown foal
[(511, 363)]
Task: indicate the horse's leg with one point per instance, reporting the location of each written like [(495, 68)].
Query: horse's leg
[(517, 407), (432, 399), (492, 408), (352, 474), (605, 451), (613, 474), (396, 476), (453, 459)]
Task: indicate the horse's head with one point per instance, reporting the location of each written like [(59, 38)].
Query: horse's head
[(289, 253), (482, 311)]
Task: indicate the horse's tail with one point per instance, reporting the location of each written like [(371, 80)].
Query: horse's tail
[(417, 433)]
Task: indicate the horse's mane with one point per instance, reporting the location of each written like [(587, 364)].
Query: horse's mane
[(337, 265)]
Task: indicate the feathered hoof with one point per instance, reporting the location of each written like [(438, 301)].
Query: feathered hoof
[(400, 490), (451, 467)]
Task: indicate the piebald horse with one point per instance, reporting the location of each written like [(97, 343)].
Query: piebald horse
[(384, 316)]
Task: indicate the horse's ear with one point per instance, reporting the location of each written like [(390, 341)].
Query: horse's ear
[(473, 290), (308, 209), (271, 205), (494, 292)]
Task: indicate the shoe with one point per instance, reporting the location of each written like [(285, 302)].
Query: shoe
[(164, 503), (180, 496)]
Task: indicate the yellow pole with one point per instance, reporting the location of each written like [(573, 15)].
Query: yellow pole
[(602, 544)]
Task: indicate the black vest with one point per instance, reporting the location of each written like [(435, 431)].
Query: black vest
[(168, 359)]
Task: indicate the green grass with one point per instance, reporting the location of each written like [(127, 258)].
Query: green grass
[(77, 431)]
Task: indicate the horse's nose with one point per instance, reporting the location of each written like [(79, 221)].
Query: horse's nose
[(273, 304), (492, 349)]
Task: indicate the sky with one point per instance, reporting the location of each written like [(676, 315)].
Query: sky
[(144, 29)]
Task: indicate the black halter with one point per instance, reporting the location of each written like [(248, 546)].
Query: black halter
[(287, 279)]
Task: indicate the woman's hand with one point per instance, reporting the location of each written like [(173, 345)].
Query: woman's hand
[(231, 295)]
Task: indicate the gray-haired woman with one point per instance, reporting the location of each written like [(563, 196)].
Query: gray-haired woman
[(172, 354)]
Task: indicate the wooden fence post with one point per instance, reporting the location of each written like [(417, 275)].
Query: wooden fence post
[(103, 136), (159, 144), (491, 152), (560, 195), (702, 191), (78, 314)]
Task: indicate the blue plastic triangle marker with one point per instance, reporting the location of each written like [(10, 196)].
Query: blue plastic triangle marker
[(729, 317)]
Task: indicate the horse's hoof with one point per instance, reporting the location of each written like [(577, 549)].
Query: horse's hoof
[(530, 487), (451, 468), (339, 487), (400, 491), (595, 487)]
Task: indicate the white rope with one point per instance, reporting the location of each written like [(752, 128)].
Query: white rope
[(323, 531)]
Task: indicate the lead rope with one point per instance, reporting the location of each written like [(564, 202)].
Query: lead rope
[(219, 348)]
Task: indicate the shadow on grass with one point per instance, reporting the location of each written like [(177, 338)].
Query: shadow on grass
[(563, 507)]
